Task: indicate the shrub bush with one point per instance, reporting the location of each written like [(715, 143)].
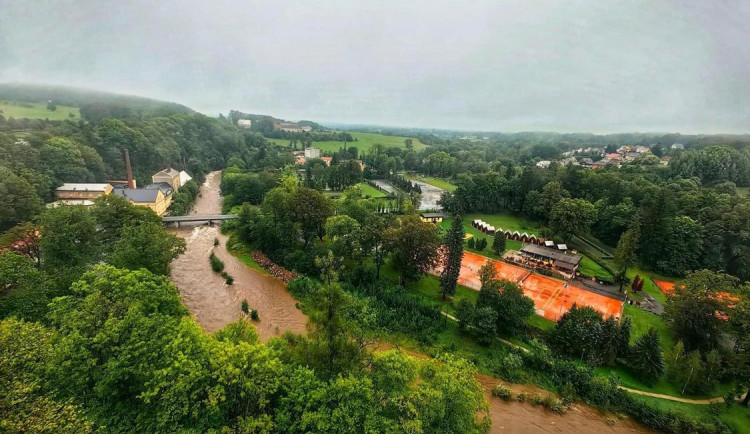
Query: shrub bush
[(254, 315), (502, 391), (245, 307), (216, 264)]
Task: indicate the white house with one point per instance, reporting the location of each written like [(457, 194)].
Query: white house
[(543, 164), (244, 123), (312, 153)]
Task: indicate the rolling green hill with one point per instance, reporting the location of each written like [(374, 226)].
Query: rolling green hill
[(364, 142), (37, 110)]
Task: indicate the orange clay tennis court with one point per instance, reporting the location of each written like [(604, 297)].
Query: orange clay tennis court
[(552, 297), (665, 286)]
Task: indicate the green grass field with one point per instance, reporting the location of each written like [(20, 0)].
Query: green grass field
[(437, 182), (368, 190), (364, 142), (643, 321), (590, 267), (505, 221), (736, 416), (429, 288), (649, 287), (38, 110)]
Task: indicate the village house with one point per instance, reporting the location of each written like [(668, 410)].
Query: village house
[(152, 198), (80, 193), (432, 217), (291, 127), (312, 153), (184, 177), (601, 163), (169, 176), (556, 260), (543, 164), (244, 123), (569, 161)]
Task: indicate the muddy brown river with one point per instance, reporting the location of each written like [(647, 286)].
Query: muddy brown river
[(210, 300)]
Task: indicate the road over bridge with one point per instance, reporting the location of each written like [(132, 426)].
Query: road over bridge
[(210, 219)]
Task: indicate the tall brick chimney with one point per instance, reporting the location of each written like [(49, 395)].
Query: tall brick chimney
[(129, 170)]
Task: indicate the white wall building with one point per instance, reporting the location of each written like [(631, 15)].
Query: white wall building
[(312, 153)]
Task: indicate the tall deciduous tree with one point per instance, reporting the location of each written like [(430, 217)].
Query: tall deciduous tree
[(146, 245), (571, 216), (69, 238), (374, 237), (693, 311), (414, 244), (453, 243)]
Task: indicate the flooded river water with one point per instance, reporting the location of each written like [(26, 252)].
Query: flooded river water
[(210, 300)]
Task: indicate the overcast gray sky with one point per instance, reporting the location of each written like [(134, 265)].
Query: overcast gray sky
[(598, 65)]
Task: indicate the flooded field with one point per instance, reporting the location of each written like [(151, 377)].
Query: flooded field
[(430, 196), (210, 300), (385, 185)]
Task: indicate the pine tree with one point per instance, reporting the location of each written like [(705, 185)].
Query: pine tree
[(498, 244), (481, 244), (472, 243), (454, 244), (647, 358)]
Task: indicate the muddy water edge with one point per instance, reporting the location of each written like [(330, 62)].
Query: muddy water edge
[(210, 300)]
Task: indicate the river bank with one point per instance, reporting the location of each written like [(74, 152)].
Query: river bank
[(209, 299)]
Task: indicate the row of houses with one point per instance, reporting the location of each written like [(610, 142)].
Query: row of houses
[(156, 196), (291, 127)]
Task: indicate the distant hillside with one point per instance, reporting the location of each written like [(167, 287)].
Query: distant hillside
[(93, 105)]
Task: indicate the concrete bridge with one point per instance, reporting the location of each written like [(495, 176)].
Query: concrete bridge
[(210, 219)]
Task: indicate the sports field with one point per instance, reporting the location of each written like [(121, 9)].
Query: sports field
[(666, 287), (36, 110), (552, 297), (364, 142)]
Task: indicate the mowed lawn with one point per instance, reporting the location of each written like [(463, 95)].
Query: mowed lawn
[(38, 110), (437, 182), (368, 190), (505, 221), (364, 142), (590, 267)]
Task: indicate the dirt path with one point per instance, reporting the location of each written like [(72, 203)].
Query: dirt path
[(210, 300)]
